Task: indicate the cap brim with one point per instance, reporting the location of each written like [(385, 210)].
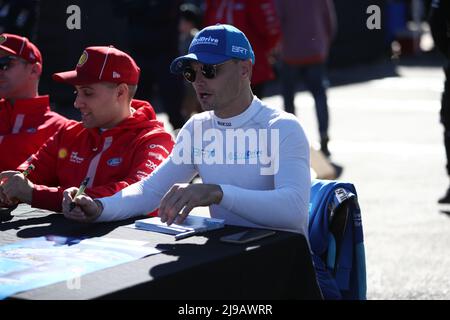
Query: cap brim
[(180, 63), (8, 50), (70, 77)]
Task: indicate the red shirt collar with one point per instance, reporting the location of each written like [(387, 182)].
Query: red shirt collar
[(41, 103)]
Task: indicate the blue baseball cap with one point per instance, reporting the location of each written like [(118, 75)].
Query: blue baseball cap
[(214, 45)]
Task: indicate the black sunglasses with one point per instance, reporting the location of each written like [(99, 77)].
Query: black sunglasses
[(209, 71), (6, 62)]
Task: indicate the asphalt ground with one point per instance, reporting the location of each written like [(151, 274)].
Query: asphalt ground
[(385, 132)]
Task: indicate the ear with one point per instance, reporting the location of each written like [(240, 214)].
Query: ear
[(122, 91), (246, 69), (36, 69)]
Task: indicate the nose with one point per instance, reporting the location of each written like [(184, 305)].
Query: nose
[(78, 103), (199, 78)]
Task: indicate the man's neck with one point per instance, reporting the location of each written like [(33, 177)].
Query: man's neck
[(125, 115), (23, 96), (239, 107)]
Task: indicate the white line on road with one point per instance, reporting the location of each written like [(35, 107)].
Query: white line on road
[(393, 147)]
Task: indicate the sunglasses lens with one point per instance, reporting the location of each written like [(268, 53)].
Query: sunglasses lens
[(209, 71), (189, 74)]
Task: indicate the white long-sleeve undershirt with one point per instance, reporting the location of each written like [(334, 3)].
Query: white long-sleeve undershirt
[(262, 194)]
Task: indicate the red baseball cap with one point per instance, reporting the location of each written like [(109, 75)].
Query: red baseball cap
[(101, 64), (21, 47)]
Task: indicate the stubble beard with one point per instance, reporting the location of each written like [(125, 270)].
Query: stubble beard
[(207, 107)]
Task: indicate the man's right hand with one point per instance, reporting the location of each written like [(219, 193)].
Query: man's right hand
[(86, 210), (6, 202)]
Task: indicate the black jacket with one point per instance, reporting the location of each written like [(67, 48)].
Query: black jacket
[(439, 20)]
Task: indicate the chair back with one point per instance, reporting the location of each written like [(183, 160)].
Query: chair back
[(336, 239)]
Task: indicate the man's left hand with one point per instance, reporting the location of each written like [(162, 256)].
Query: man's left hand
[(185, 197), (16, 187)]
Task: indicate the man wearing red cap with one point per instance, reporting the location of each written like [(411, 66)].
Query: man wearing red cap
[(26, 120), (118, 141)]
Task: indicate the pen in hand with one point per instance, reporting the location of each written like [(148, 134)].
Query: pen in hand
[(79, 192), (185, 235), (25, 173), (30, 168)]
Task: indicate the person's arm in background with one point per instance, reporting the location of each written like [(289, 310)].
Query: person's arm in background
[(279, 7), (264, 19), (330, 20), (211, 14)]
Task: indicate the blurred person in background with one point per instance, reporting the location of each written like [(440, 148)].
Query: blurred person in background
[(19, 17), (439, 19), (259, 21), (152, 33), (188, 27), (308, 27)]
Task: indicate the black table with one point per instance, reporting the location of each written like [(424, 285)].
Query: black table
[(199, 267)]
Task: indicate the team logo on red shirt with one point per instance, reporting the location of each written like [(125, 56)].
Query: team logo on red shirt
[(62, 153), (151, 165), (156, 155), (158, 146), (75, 158), (114, 162)]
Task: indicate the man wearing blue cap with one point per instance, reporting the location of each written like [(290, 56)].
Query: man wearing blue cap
[(253, 159)]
